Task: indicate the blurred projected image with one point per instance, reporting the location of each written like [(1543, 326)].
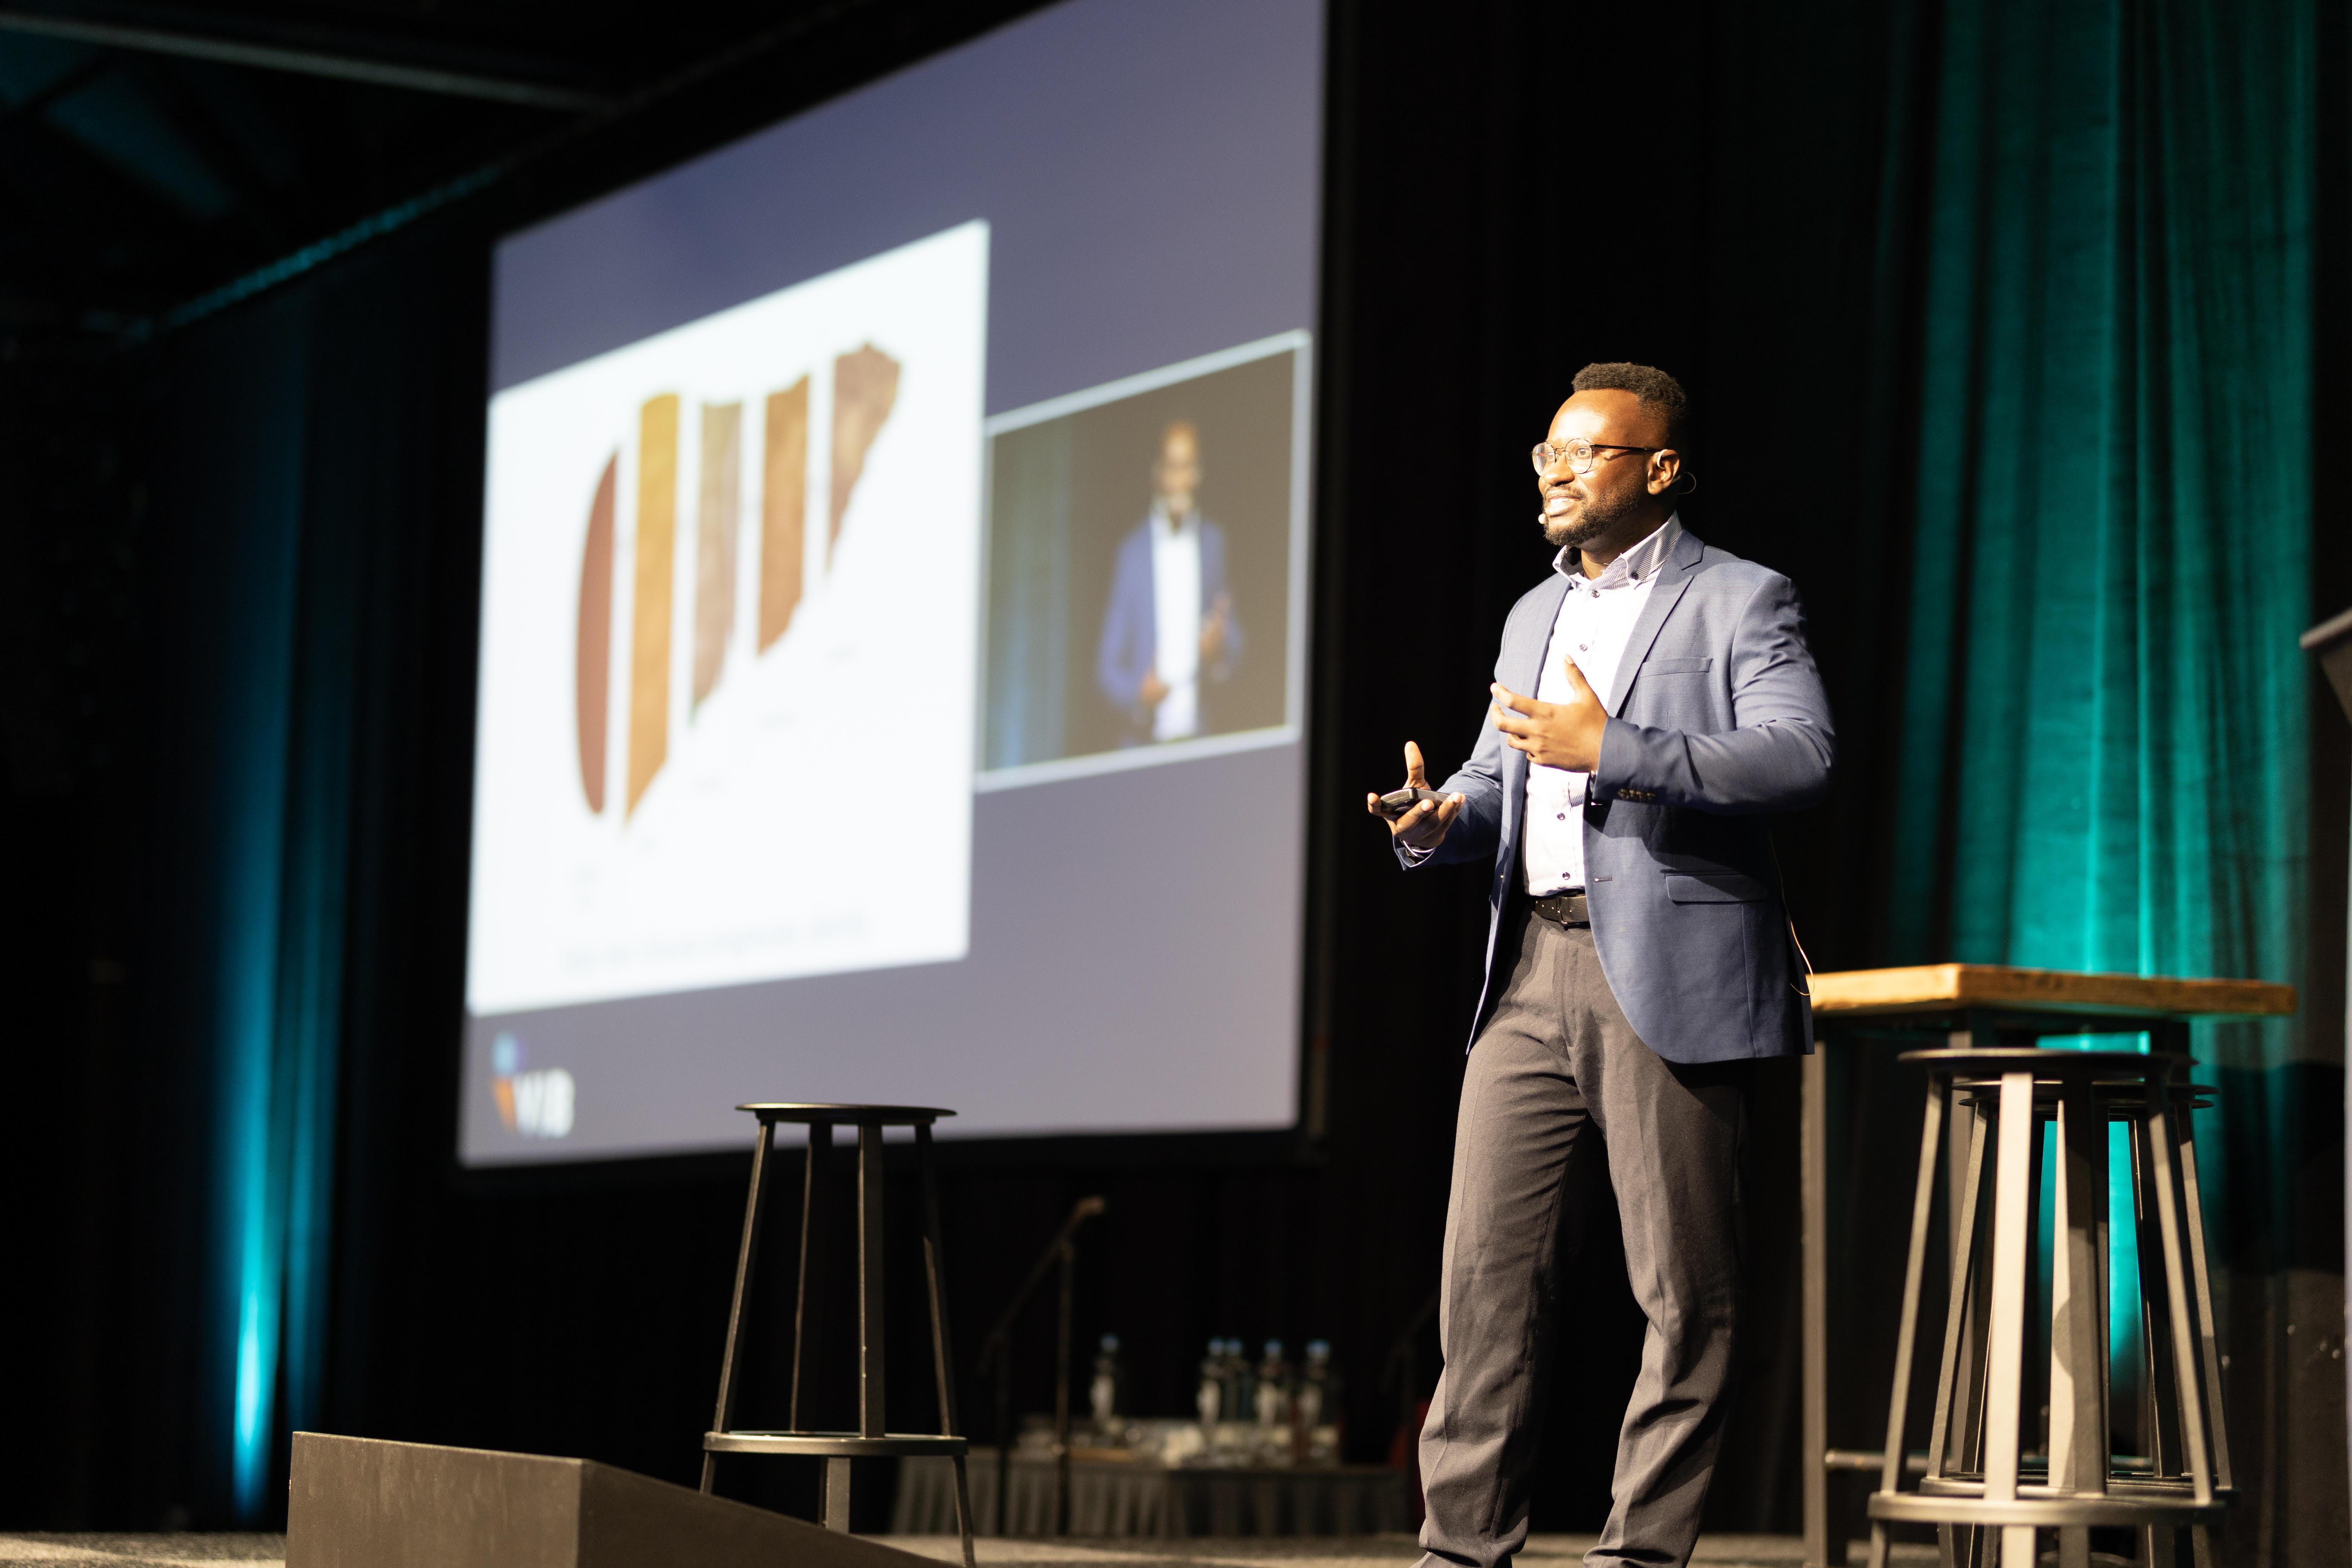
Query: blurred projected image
[(1142, 558), (710, 558)]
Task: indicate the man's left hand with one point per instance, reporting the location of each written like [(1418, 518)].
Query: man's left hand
[(1556, 735)]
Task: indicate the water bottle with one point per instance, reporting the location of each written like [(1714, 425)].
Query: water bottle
[(1240, 1385), (1103, 1393), (1318, 1412), (1272, 1402), (1209, 1398)]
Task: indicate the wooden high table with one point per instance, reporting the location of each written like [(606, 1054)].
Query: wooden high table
[(1959, 1005)]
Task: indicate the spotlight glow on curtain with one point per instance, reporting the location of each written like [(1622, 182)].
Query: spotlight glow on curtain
[(267, 673)]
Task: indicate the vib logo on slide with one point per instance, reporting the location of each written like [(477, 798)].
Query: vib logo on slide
[(535, 1104)]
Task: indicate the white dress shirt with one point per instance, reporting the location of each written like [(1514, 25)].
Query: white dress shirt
[(1595, 620), (1176, 622)]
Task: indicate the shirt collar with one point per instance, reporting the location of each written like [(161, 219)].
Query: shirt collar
[(1164, 523), (1634, 565)]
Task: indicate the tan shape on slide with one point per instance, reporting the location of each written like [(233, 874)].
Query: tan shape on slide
[(714, 550), (592, 677), (783, 508), (864, 385), (657, 564)]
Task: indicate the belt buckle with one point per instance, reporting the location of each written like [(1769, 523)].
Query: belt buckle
[(1561, 909)]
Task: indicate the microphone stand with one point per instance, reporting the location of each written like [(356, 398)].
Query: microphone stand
[(995, 1353)]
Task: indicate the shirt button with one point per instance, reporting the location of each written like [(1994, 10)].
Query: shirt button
[(1563, 816), (1584, 648)]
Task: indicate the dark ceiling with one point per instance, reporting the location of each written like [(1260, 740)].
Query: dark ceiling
[(149, 153)]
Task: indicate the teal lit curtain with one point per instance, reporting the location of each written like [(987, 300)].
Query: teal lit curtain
[(2104, 756), (307, 466), (259, 653)]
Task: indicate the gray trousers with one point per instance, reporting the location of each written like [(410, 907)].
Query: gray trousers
[(1558, 1078)]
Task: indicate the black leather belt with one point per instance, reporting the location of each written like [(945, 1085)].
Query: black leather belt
[(1563, 910)]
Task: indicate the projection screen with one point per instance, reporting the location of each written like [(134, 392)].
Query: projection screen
[(893, 607)]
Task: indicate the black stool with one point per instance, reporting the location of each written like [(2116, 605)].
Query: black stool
[(1989, 1498), (869, 1441)]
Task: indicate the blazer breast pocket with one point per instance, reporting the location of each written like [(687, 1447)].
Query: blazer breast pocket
[(1715, 888), (1677, 666)]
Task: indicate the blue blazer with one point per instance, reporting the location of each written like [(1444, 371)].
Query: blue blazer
[(1131, 633), (1718, 716)]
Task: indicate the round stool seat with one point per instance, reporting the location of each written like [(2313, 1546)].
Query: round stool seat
[(804, 1113), (836, 1445)]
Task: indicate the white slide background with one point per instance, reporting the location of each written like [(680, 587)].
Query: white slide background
[(752, 856)]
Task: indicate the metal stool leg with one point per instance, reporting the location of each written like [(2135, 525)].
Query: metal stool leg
[(2209, 1337), (2160, 1432), (1957, 1377), (935, 1269), (820, 1142), (2013, 1221), (1923, 1204), (730, 1369), (833, 1504), (2187, 1375), (2078, 1405), (2184, 1142), (836, 1514)]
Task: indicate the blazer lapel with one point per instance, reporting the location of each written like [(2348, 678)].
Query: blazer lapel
[(1673, 578), (1523, 665)]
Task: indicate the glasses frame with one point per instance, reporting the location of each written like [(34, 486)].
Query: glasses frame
[(1537, 454)]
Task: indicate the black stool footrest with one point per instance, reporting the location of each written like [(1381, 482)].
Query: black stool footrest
[(835, 1445)]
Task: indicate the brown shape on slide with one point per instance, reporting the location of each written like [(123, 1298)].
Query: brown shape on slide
[(714, 551), (592, 680), (864, 385), (783, 508), (656, 564)]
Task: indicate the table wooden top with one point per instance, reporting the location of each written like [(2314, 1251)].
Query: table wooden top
[(1940, 987)]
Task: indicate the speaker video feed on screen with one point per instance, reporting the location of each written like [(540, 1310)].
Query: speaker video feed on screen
[(1139, 567), (893, 623)]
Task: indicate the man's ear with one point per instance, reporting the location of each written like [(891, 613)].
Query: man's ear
[(1660, 482)]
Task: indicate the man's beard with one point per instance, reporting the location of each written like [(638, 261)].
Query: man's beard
[(1595, 517)]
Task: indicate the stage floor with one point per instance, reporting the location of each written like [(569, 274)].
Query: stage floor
[(1346, 1551), (204, 1551), (41, 1550)]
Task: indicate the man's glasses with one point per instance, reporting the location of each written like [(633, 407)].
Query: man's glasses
[(1577, 452)]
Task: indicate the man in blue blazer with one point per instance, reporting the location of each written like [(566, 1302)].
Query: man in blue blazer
[(1654, 700), (1169, 632)]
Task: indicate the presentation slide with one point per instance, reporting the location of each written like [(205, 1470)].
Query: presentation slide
[(893, 623)]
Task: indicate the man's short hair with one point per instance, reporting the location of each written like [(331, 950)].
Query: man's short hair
[(1654, 387)]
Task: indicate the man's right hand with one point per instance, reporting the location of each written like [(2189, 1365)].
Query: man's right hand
[(1153, 688), (1422, 827)]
